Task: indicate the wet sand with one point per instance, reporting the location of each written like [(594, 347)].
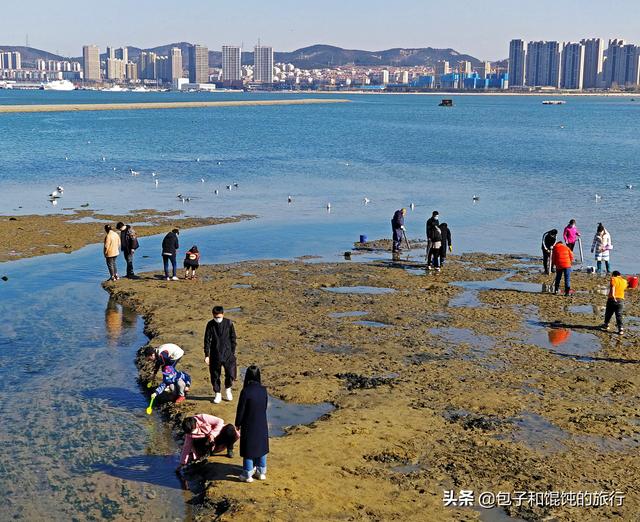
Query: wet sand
[(489, 395), (36, 235), (154, 106)]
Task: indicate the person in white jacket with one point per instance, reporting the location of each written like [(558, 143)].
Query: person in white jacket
[(602, 246)]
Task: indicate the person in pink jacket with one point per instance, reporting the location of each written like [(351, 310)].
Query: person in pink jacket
[(205, 434), (571, 234)]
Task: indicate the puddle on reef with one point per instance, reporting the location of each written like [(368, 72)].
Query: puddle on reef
[(372, 324), (584, 309), (247, 274), (356, 313), (239, 285), (480, 344), (406, 469), (235, 310), (282, 414), (336, 349), (470, 299), (359, 290)]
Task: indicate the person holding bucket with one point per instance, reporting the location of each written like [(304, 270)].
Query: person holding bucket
[(602, 246)]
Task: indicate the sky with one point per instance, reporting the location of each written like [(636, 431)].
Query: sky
[(481, 28)]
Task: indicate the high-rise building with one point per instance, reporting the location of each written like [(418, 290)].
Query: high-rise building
[(131, 71), (572, 66), (231, 63), (147, 66), (111, 53), (198, 64), (91, 63), (484, 70), (612, 62), (16, 60), (122, 54), (629, 67), (115, 69), (593, 61), (263, 64), (442, 67), (543, 64), (403, 77), (175, 63), (517, 63), (465, 67)]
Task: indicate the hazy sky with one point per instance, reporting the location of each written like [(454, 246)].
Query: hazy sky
[(478, 27)]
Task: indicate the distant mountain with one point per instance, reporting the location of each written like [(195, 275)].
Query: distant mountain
[(315, 56)]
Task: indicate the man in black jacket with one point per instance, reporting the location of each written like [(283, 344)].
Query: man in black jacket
[(219, 352), (129, 244), (432, 231), (170, 247), (397, 227), (548, 240)]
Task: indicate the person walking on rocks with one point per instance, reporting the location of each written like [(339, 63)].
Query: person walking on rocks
[(170, 247), (615, 301), (563, 261), (446, 243), (251, 421), (111, 251), (602, 246), (435, 242), (397, 226), (129, 242), (220, 352), (548, 241), (571, 234)]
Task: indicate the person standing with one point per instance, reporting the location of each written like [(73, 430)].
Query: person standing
[(251, 421), (615, 301), (219, 352), (571, 234), (129, 243), (563, 261), (433, 220), (548, 241), (446, 243), (111, 251), (435, 242), (170, 247), (602, 246), (397, 226)]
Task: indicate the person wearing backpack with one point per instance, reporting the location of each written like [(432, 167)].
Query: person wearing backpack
[(129, 243), (170, 247)]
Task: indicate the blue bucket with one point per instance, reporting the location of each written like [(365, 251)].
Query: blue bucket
[(363, 239)]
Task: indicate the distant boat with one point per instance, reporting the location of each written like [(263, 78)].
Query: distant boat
[(553, 102), (58, 85), (446, 102), (116, 88), (140, 89)]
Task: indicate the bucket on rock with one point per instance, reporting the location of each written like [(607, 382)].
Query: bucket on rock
[(363, 239), (633, 281)]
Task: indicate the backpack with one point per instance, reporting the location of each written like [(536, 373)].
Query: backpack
[(133, 238)]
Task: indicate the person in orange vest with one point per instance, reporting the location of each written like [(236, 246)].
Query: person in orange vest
[(563, 260), (615, 301)]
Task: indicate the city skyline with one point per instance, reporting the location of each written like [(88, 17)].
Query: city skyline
[(479, 30)]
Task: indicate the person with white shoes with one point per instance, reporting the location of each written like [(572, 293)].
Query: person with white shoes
[(251, 422), (220, 352)]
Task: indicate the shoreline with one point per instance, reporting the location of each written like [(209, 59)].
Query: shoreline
[(12, 109), (42, 234), (407, 424)]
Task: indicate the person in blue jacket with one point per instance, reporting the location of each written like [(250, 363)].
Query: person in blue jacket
[(397, 226), (251, 422), (175, 382)]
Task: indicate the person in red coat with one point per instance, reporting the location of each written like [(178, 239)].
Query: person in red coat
[(563, 261)]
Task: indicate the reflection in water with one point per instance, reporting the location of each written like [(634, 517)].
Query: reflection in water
[(558, 336), (118, 317)]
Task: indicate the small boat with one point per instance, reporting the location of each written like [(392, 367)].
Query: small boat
[(446, 102), (553, 102)]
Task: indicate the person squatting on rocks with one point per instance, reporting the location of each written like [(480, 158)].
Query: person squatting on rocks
[(170, 247), (175, 382), (205, 435), (446, 243), (219, 352), (251, 421), (615, 301), (434, 240), (167, 354), (397, 226), (129, 243), (571, 234), (548, 241), (111, 251), (191, 262), (563, 261), (602, 246)]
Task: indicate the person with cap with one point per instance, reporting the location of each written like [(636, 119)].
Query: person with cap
[(129, 242), (176, 383), (170, 247), (397, 227), (548, 240), (563, 261), (205, 435), (167, 354), (220, 352)]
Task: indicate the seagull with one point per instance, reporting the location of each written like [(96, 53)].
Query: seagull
[(475, 198), (60, 189), (215, 192), (156, 182), (134, 172), (202, 180), (179, 196), (104, 159), (153, 174), (55, 194), (235, 184), (598, 197), (289, 199), (228, 187), (187, 199), (366, 201), (197, 159), (54, 202), (114, 168), (629, 187), (66, 158), (328, 206), (219, 163), (412, 206)]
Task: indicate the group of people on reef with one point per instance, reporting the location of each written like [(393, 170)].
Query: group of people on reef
[(204, 434), (124, 239), (438, 238)]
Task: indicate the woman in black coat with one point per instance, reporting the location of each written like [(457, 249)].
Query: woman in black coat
[(251, 421)]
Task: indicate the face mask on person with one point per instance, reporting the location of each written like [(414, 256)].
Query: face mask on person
[(218, 319)]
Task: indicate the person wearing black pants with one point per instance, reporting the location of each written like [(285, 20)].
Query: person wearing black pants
[(170, 247), (220, 352), (548, 241)]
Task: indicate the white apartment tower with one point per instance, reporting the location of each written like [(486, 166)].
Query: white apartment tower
[(91, 62), (231, 63), (175, 63), (572, 66), (263, 64), (517, 63), (593, 62)]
